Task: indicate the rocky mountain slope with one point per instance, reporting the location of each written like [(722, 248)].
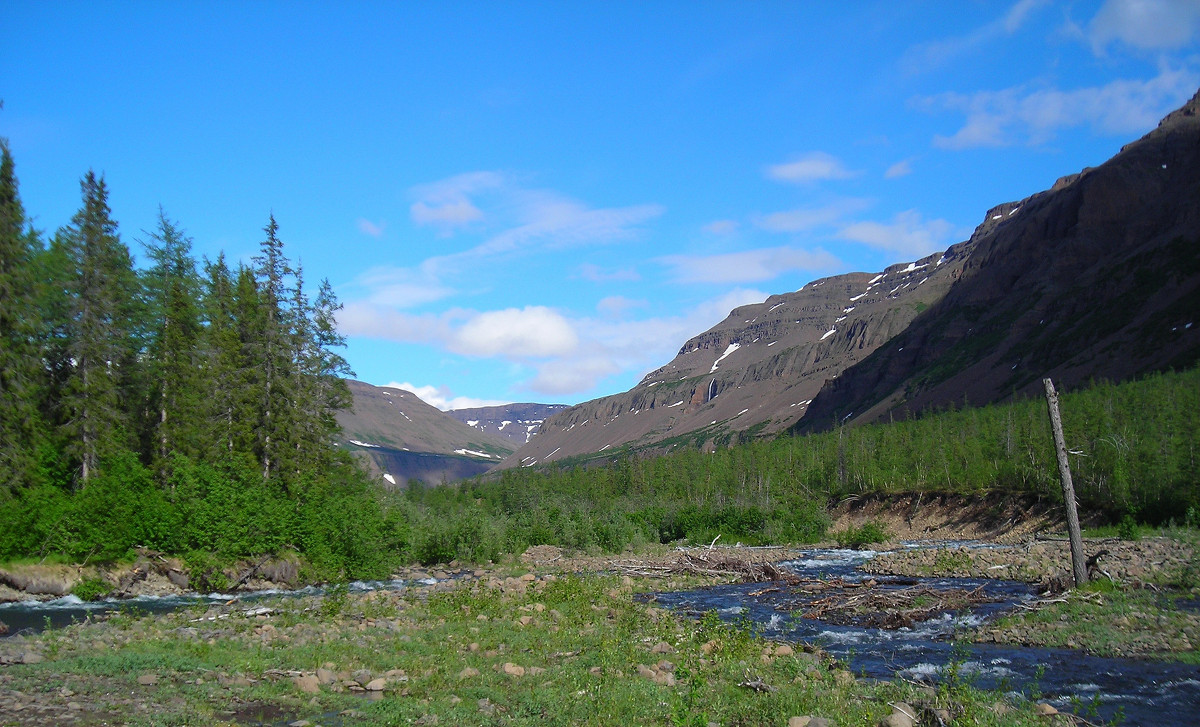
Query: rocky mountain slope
[(515, 422), (756, 371), (1097, 277), (402, 438)]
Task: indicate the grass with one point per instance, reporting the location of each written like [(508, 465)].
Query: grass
[(1110, 620), (585, 645)]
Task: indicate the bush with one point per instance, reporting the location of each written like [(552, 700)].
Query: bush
[(91, 589), (870, 532)]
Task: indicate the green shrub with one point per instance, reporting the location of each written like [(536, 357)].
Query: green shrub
[(91, 589), (869, 532)]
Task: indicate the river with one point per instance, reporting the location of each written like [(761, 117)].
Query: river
[(1142, 692)]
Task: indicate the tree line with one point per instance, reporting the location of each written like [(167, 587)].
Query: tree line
[(183, 405)]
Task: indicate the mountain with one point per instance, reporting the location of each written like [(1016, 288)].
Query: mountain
[(402, 438), (755, 372), (515, 422), (1096, 277)]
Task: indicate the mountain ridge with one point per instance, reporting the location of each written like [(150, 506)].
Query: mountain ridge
[(1112, 248)]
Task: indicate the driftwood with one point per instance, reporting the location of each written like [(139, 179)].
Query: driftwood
[(714, 563), (864, 604)]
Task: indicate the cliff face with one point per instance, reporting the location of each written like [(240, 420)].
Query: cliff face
[(755, 372), (1097, 277)]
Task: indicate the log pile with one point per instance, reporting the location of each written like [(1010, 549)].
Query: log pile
[(709, 563), (866, 604)]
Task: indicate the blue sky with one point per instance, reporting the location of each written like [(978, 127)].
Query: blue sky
[(542, 201)]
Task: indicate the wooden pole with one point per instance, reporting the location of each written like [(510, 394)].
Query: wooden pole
[(1078, 564)]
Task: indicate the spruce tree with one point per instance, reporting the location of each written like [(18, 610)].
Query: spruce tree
[(172, 294), (99, 332), (21, 371), (273, 349)]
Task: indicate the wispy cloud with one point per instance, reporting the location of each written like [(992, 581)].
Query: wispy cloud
[(807, 218), (901, 168), (1033, 116), (443, 397), (936, 54), (374, 229), (1145, 24), (596, 274), (812, 167), (907, 234), (400, 287), (446, 204), (722, 227), (749, 266), (567, 355)]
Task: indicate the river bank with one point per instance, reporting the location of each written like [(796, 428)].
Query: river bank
[(520, 643)]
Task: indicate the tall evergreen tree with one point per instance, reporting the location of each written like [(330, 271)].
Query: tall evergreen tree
[(99, 331), (274, 347), (172, 293), (20, 365)]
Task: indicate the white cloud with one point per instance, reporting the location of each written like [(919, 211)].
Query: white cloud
[(901, 168), (806, 218), (447, 203), (443, 398), (402, 287), (447, 215), (374, 229), (907, 234), (613, 346), (749, 266), (1016, 115), (812, 167), (1145, 24), (565, 377), (530, 332), (558, 222)]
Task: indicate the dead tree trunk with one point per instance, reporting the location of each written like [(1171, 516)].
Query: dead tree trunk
[(1078, 563)]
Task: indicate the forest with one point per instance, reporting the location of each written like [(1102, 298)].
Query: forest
[(189, 407)]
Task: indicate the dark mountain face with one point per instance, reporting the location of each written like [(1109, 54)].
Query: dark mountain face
[(515, 422), (401, 438), (1099, 277)]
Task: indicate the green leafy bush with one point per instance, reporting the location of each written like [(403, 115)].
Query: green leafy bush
[(869, 532)]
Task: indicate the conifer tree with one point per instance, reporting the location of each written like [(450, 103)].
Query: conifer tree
[(172, 292), (20, 367), (99, 331), (273, 347)]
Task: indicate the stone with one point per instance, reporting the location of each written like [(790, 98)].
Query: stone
[(784, 650), (1045, 710), (513, 670), (665, 665), (326, 676), (32, 657), (74, 706), (801, 721), (376, 685), (902, 716), (148, 680), (662, 647), (468, 672), (308, 683)]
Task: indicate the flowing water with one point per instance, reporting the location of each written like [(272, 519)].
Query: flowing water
[(1143, 692)]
